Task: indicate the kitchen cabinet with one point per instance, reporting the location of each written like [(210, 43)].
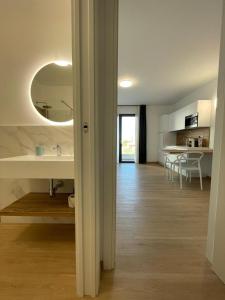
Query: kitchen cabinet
[(202, 107), (177, 120), (204, 113), (180, 119), (191, 108)]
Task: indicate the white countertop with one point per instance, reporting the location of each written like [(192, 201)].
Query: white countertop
[(179, 149), (32, 166)]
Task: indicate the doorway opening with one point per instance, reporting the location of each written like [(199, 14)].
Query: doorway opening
[(154, 216), (127, 137)]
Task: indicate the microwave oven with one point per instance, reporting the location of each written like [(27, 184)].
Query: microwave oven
[(191, 121)]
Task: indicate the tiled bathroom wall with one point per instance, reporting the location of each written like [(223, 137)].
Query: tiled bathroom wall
[(21, 140)]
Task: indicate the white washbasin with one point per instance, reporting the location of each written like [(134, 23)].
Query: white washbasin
[(31, 166)]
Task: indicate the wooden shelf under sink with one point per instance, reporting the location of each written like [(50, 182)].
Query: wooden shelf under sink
[(40, 205)]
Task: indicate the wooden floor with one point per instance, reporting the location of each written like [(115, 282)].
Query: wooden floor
[(37, 262), (161, 240), (161, 237)]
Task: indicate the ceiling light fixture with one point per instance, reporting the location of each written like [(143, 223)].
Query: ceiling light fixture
[(62, 63), (126, 83)]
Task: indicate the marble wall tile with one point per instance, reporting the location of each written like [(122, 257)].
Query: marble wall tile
[(22, 140)]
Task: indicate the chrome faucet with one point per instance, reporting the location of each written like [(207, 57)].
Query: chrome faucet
[(58, 149)]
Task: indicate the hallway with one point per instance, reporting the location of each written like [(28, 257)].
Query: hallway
[(161, 239)]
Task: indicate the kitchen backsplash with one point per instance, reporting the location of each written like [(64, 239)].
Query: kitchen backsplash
[(183, 135), (22, 140)]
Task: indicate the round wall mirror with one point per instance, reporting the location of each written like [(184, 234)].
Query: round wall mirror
[(52, 92)]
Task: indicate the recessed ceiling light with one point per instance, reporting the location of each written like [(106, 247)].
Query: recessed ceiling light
[(126, 83), (62, 63)]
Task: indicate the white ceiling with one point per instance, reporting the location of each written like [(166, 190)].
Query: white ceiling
[(167, 47)]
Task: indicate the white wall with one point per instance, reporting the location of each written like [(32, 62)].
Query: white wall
[(153, 117), (126, 109), (33, 33), (206, 92)]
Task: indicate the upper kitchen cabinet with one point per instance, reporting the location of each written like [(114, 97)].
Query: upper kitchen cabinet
[(200, 107), (180, 119), (204, 108), (177, 120), (172, 122)]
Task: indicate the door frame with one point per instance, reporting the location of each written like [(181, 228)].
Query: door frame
[(86, 191), (216, 240), (94, 79), (120, 137)]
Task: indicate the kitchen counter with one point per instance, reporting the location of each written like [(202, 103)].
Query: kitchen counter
[(206, 162), (181, 149)]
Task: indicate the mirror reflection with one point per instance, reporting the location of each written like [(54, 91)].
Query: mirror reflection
[(52, 92)]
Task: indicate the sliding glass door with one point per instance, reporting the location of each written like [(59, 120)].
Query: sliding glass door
[(127, 138)]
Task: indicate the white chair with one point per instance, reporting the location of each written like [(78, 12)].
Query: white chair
[(189, 162), (168, 164)]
